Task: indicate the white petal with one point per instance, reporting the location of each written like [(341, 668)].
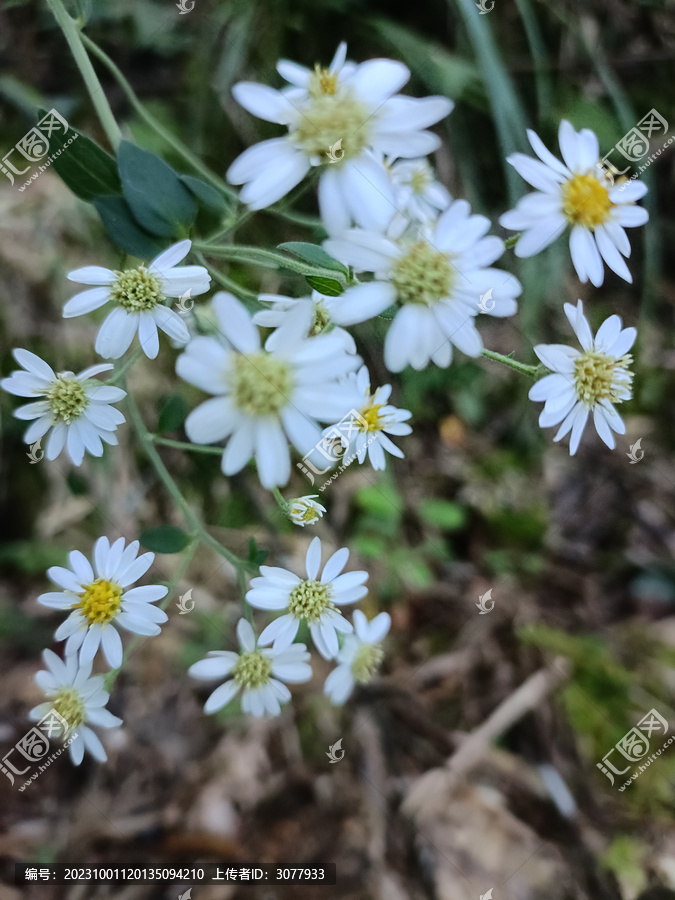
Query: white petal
[(313, 559), (86, 302)]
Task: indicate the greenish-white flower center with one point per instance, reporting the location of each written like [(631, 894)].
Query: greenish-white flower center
[(321, 318), (252, 670), (70, 705), (367, 661), (420, 180), (423, 276), (261, 384), (332, 114), (67, 399), (601, 377), (309, 600), (137, 290), (100, 602)]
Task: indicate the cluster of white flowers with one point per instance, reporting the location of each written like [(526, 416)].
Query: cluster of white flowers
[(411, 252), (258, 670), (99, 598)]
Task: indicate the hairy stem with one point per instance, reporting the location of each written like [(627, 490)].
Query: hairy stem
[(532, 371), (98, 97), (191, 519)]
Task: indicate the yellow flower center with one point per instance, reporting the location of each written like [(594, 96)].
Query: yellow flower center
[(332, 114), (423, 276), (137, 290), (252, 670), (69, 704), (322, 83), (261, 384), (419, 181), (600, 377), (367, 661), (309, 600), (100, 601), (67, 399), (586, 201), (371, 415), (302, 510)]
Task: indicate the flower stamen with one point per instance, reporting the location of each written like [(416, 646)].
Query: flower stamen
[(367, 661), (423, 276), (252, 670), (309, 600), (586, 201), (601, 377), (137, 290), (261, 384), (70, 706), (67, 399), (100, 602)]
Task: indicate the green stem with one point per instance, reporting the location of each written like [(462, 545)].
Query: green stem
[(147, 117), (183, 445), (532, 371), (172, 586), (511, 241), (191, 519), (226, 282), (119, 374), (270, 260), (283, 504), (98, 97)]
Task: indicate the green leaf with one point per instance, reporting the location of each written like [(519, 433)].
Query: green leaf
[(326, 286), (314, 254), (442, 514), (381, 501), (256, 557), (207, 196), (165, 539), (159, 200), (83, 166), (172, 414), (123, 229)]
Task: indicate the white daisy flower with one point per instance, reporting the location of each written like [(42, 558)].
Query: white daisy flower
[(578, 195), (305, 510), (375, 419), (79, 699), (263, 398), (588, 381), (436, 278), (418, 197), (138, 296), (76, 408), (308, 600), (257, 673), (307, 314), (359, 657), (100, 601), (335, 118)]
